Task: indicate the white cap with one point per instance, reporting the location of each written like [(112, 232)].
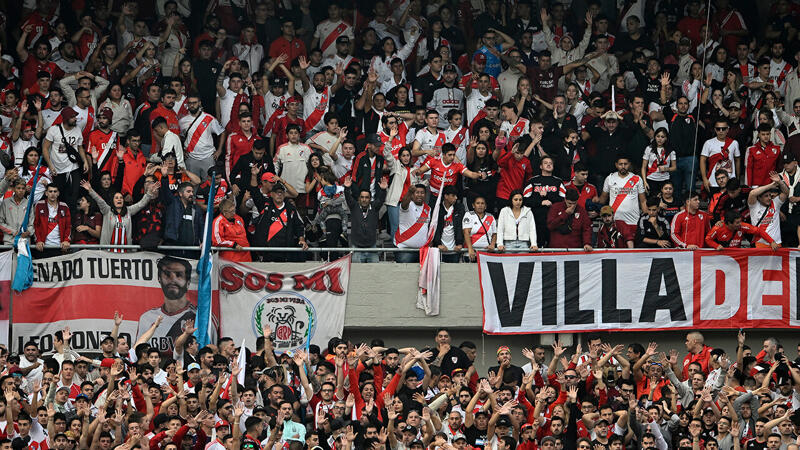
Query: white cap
[(8, 58)]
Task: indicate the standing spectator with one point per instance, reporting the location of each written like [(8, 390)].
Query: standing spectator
[(515, 167), (762, 158), (228, 230), (719, 153), (87, 222), (658, 162), (516, 228), (279, 225), (199, 128), (690, 226), (52, 224), (569, 223), (64, 155), (167, 142), (291, 159), (653, 229), (765, 207), (117, 227), (364, 219), (287, 43), (541, 193), (183, 218), (448, 235), (12, 213), (368, 165), (206, 70), (414, 220), (479, 227), (626, 192)]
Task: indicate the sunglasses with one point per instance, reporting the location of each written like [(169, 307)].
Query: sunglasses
[(720, 128)]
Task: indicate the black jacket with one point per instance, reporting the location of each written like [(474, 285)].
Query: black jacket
[(364, 229), (362, 169), (458, 217), (288, 228)]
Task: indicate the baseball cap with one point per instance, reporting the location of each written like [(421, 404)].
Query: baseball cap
[(449, 68), (373, 138), (409, 429), (479, 58), (221, 423), (27, 125), (82, 397), (68, 113), (14, 370), (788, 157), (503, 421), (459, 437), (736, 105), (107, 113), (279, 187), (293, 99), (685, 41), (8, 58), (456, 372), (107, 363), (606, 210), (269, 176), (343, 40), (193, 366)]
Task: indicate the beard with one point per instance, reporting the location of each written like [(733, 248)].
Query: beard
[(174, 291)]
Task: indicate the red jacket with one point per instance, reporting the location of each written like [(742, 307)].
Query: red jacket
[(701, 358), (227, 234), (42, 219), (760, 162), (690, 229), (579, 231)]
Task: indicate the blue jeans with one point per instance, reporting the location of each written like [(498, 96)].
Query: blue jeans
[(393, 213), (682, 177), (365, 257), (406, 257)]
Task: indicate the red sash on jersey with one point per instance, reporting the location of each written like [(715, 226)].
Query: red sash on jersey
[(319, 110), (440, 140), (621, 196), (481, 114), (486, 224), (278, 114), (103, 157), (333, 36), (660, 160), (717, 157), (786, 69), (198, 132), (413, 229), (459, 137), (519, 127), (277, 225), (32, 170)]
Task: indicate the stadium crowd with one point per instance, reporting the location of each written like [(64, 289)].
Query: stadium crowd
[(561, 125), (359, 395)]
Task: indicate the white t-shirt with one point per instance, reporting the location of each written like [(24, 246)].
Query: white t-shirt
[(20, 146), (629, 187), (714, 146), (448, 231), (205, 144), (771, 223), (225, 106), (324, 29), (291, 164), (476, 102), (655, 158), (473, 223), (461, 147), (58, 152), (409, 217), (53, 237)]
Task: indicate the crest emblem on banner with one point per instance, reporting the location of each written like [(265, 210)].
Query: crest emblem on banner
[(291, 317)]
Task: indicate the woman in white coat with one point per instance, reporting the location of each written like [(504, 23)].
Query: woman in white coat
[(516, 229), (382, 63)]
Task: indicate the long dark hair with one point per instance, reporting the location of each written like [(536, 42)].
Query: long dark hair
[(25, 170)]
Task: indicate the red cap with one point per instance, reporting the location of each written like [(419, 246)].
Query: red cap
[(293, 99), (479, 58), (107, 362), (107, 113), (269, 176), (68, 113), (27, 125), (221, 423)]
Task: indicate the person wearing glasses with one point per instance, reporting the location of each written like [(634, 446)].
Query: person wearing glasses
[(719, 153)]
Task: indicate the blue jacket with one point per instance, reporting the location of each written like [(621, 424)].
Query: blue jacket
[(173, 212)]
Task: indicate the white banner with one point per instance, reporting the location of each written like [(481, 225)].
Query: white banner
[(296, 306), (638, 290)]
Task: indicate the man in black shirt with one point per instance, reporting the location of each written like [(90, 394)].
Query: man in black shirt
[(653, 229), (509, 373), (243, 170), (447, 357), (542, 191), (206, 71), (430, 82)]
